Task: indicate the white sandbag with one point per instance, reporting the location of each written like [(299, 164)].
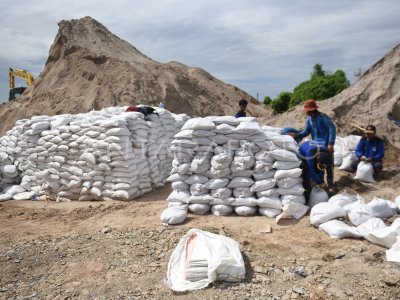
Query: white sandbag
[(200, 199), (270, 202), (246, 211), (288, 182), (287, 199), (14, 189), (380, 208), (242, 192), (370, 225), (223, 192), (9, 171), (240, 182), (5, 197), (268, 193), (223, 201), (24, 196), (179, 186), (263, 185), (295, 173), (199, 209), (174, 215), (264, 156), (230, 120), (225, 129), (196, 178), (324, 212), (179, 196), (296, 189), (284, 155), (248, 128), (198, 189), (178, 204), (337, 158), (262, 166), (201, 258), (317, 195), (348, 161), (358, 213), (393, 254), (269, 212), (265, 175), (342, 199), (216, 183), (286, 165), (351, 141), (221, 210), (292, 211), (199, 124), (245, 201), (365, 172), (338, 230), (385, 236)]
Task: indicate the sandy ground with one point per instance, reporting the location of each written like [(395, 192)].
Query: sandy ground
[(119, 250)]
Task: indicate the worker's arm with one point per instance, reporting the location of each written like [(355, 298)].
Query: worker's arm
[(307, 130), (359, 149), (317, 177), (380, 152)]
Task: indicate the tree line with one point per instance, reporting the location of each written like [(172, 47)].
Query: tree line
[(321, 85)]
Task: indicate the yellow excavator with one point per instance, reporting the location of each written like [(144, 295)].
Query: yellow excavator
[(23, 74)]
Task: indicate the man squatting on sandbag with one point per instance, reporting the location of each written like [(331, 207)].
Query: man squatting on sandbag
[(315, 160), (370, 149), (322, 129)]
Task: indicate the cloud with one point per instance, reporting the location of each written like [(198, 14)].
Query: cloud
[(263, 47)]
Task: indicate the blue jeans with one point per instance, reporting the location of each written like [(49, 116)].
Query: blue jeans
[(376, 164)]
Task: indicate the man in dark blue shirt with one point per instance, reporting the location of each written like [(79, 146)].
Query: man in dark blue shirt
[(315, 160), (242, 109), (370, 149)]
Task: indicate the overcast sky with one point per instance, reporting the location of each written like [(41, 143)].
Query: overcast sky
[(261, 46)]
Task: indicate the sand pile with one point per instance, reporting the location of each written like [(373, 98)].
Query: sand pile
[(368, 101), (90, 68)]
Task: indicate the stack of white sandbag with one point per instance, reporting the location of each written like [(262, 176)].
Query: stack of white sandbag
[(224, 164), (344, 153), (106, 154), (366, 219)]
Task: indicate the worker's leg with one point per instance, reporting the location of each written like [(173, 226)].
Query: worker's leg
[(377, 165), (329, 176), (354, 164), (306, 180)]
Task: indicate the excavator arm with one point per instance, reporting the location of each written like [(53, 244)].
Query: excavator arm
[(23, 74)]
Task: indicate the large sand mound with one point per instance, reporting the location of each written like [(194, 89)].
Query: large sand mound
[(90, 68), (368, 101)]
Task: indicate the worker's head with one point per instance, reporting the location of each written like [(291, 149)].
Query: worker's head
[(370, 132), (324, 159), (310, 107), (242, 105)]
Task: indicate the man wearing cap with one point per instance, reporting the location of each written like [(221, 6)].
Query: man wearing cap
[(315, 160), (370, 149), (321, 128)]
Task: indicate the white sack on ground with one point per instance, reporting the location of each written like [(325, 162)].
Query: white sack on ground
[(342, 199), (339, 230), (317, 195), (201, 258), (324, 212), (365, 172), (174, 215), (393, 254)]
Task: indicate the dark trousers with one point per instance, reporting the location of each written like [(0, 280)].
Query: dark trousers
[(376, 164), (307, 181)]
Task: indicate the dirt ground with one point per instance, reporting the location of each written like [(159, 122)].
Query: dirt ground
[(119, 250)]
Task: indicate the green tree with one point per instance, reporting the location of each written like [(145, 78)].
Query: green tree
[(267, 100), (281, 103), (320, 86)]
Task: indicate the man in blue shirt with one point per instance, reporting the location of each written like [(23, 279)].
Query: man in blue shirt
[(242, 109), (321, 128), (315, 160), (370, 149)]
